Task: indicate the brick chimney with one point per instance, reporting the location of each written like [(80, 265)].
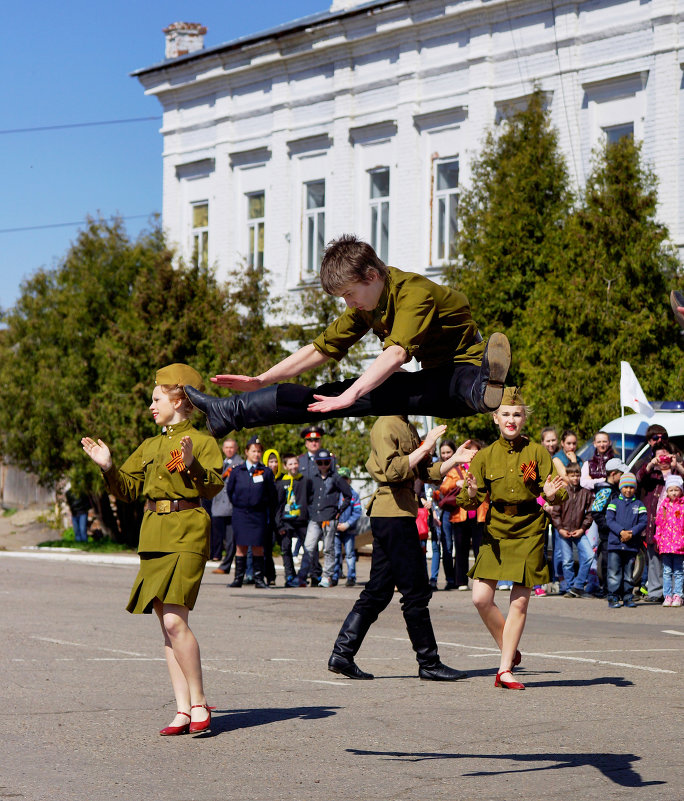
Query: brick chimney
[(183, 38)]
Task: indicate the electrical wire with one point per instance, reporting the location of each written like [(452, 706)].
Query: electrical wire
[(77, 125), (64, 224)]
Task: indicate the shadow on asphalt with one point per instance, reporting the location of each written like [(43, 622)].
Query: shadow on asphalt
[(225, 720), (616, 767), (614, 681)]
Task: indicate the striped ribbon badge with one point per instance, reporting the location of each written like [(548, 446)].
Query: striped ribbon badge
[(529, 471), (176, 462)]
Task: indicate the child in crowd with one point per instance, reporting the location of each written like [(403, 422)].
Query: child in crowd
[(572, 520), (345, 533), (292, 514), (669, 539), (515, 472), (615, 468), (626, 518), (173, 470)]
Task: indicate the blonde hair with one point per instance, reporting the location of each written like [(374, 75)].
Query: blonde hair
[(176, 392)]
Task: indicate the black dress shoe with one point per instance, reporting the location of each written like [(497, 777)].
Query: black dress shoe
[(495, 363), (338, 664), (440, 672)]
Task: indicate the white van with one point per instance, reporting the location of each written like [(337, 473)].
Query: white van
[(668, 414)]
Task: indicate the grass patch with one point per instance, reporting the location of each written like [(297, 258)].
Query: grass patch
[(8, 512), (101, 545)]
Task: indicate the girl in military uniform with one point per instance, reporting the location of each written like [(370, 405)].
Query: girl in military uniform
[(514, 472), (173, 470)]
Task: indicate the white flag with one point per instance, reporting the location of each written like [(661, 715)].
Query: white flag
[(631, 393)]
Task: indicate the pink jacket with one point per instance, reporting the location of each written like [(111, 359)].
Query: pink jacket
[(669, 535)]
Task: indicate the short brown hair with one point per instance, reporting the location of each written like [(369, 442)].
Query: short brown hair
[(573, 467), (347, 260), (176, 392)]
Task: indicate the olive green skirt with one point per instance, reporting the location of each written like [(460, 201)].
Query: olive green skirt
[(174, 578), (517, 559)]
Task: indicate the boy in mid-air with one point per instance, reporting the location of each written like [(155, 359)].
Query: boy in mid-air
[(412, 316)]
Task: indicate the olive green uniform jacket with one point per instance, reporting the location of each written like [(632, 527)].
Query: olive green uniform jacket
[(145, 472), (393, 438), (513, 474), (429, 321)]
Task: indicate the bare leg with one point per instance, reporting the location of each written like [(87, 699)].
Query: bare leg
[(483, 598), (513, 628), (183, 661)]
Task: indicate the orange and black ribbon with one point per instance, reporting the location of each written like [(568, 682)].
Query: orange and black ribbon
[(529, 471), (176, 462)]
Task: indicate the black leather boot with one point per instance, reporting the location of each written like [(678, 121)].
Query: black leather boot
[(488, 389), (348, 642), (240, 565), (422, 636), (259, 583), (247, 410)]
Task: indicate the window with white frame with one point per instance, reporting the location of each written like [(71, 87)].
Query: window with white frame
[(256, 207), (314, 226), (200, 234), (445, 209), (379, 211), (616, 132)]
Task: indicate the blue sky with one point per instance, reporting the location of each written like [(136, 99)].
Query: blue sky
[(66, 63)]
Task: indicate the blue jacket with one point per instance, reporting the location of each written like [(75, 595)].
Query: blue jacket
[(351, 512), (254, 499), (628, 515)]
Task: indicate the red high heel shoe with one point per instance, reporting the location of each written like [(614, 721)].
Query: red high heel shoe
[(517, 659), (171, 730), (201, 725), (508, 685)]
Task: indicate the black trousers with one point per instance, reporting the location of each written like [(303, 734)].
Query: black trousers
[(465, 534), (440, 391), (285, 541), (222, 538), (397, 561)]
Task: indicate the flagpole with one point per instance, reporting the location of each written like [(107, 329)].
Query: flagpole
[(622, 414)]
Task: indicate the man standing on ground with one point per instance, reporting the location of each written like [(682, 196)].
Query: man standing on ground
[(222, 511), (396, 460)]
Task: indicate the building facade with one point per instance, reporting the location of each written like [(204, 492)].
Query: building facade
[(365, 118)]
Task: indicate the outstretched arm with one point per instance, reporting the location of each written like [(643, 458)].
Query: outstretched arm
[(388, 362), (306, 358)]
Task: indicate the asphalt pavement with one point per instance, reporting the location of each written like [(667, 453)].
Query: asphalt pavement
[(85, 691)]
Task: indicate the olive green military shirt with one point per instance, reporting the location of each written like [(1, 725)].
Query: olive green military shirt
[(145, 472), (393, 439), (513, 473), (429, 321)]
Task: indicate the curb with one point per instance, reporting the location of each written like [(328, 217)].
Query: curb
[(63, 555)]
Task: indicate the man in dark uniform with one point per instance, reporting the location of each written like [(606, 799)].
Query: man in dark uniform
[(412, 316), (252, 491), (312, 436)]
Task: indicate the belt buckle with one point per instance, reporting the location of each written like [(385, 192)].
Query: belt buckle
[(163, 507), (510, 509)]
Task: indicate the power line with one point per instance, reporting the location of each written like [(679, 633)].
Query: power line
[(64, 224), (77, 125)]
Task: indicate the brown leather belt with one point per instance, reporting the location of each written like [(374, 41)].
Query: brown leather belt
[(513, 509), (163, 506)]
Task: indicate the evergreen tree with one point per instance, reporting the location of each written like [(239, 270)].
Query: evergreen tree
[(605, 301), (511, 231)]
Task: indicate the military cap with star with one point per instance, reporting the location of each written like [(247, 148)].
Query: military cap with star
[(312, 432), (180, 374)]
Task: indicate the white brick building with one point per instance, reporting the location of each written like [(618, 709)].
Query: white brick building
[(365, 118)]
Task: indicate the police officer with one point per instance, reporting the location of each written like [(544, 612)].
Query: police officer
[(252, 491)]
